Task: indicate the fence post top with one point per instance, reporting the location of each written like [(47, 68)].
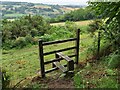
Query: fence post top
[(78, 29), (40, 40)]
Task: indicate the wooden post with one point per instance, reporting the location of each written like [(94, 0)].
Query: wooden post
[(98, 51), (56, 56), (70, 65), (41, 57), (77, 45)]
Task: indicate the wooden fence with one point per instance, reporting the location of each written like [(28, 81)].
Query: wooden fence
[(58, 54)]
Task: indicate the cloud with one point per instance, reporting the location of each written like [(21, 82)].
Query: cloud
[(78, 2)]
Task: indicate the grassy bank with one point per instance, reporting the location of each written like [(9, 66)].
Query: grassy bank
[(24, 62), (80, 23)]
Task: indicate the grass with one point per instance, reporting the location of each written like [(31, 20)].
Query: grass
[(96, 75), (14, 15), (24, 62), (80, 23), (21, 63)]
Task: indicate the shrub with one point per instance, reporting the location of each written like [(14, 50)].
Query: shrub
[(28, 39), (35, 40), (46, 37), (5, 79), (20, 42), (8, 44), (23, 27), (34, 32), (114, 61)]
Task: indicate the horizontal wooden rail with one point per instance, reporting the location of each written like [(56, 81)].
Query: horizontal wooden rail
[(64, 56), (53, 69), (47, 53), (70, 62), (59, 41), (57, 59), (61, 67)]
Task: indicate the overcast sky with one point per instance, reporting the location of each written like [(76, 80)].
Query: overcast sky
[(60, 2)]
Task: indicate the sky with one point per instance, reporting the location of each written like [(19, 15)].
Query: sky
[(60, 2)]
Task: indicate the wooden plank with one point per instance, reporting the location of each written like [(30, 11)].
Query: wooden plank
[(57, 59), (59, 41), (64, 56), (50, 70), (53, 69), (57, 64), (70, 64), (47, 53)]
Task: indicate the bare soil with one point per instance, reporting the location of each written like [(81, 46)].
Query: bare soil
[(54, 82)]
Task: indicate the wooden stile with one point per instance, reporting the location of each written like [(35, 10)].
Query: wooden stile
[(59, 56)]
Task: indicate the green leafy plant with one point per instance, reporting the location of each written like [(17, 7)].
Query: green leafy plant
[(20, 42), (110, 71), (114, 61), (5, 79), (78, 81), (107, 82)]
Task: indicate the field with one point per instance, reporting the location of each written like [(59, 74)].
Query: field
[(22, 63), (83, 25), (14, 15), (99, 53), (80, 23), (17, 9)]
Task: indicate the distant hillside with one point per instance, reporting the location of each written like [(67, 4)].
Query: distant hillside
[(11, 10)]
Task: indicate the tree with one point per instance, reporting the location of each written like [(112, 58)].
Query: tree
[(22, 27), (110, 12)]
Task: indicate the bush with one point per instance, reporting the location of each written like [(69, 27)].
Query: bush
[(29, 39), (34, 32), (5, 79), (114, 61), (20, 42), (8, 44), (35, 40), (22, 28), (46, 37)]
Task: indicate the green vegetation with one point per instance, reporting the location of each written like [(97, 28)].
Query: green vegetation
[(22, 32), (5, 79), (27, 30), (13, 10), (23, 63), (96, 68), (108, 67), (90, 78), (76, 15)]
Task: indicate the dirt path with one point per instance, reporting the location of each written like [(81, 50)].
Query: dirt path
[(54, 82)]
